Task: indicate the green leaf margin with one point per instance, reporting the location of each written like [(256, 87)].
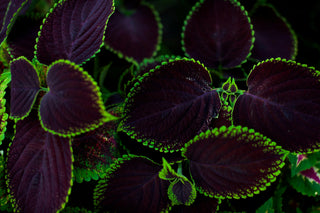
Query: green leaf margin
[(105, 115), (60, 2), (231, 130), (235, 3)]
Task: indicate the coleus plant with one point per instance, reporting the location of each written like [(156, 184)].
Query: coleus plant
[(204, 144)]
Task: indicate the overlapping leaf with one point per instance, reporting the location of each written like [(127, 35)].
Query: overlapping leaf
[(215, 37), (283, 103), (169, 105), (9, 10), (73, 104), (274, 36), (39, 168), (134, 36), (24, 87), (73, 30), (233, 162), (133, 184)]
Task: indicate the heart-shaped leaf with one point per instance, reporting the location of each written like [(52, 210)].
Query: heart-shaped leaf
[(129, 34), (133, 184), (73, 104), (73, 30), (24, 87), (233, 162), (215, 37), (283, 103), (170, 105), (9, 9), (39, 168), (274, 36)]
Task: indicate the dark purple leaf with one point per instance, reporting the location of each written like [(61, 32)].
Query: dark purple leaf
[(170, 105), (134, 36), (73, 30), (22, 37), (283, 103), (233, 162), (182, 192), (73, 104), (201, 204), (24, 87), (218, 33), (39, 168), (273, 35), (133, 184), (9, 10)]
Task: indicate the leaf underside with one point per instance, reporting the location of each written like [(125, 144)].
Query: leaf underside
[(24, 87), (233, 162), (39, 168), (133, 184), (73, 30), (216, 38), (170, 105), (284, 104), (129, 34), (73, 104), (273, 36)]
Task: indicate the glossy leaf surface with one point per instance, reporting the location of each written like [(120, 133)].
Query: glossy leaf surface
[(133, 183), (233, 162), (8, 11), (216, 38), (170, 105), (136, 35), (39, 168), (273, 35), (284, 104), (73, 104), (73, 30), (24, 87)]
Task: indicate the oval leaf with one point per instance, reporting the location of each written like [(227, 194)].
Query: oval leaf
[(216, 38), (129, 34), (283, 103), (73, 104), (170, 105), (233, 162), (73, 30), (133, 183), (182, 192), (39, 168), (24, 87), (274, 36)]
